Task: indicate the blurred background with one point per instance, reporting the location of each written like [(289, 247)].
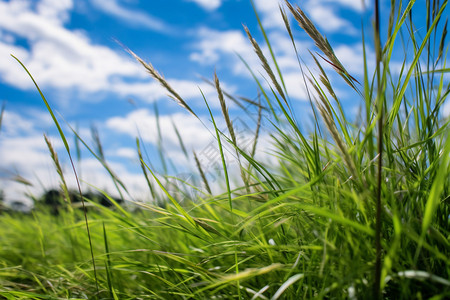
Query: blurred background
[(77, 52)]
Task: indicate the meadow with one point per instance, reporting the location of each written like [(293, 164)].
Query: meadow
[(355, 208)]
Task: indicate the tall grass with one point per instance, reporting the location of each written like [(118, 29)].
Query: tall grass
[(337, 217)]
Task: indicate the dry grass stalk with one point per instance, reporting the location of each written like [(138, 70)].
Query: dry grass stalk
[(324, 78), (202, 174), (258, 128), (59, 170), (96, 137), (144, 169), (236, 100), (286, 21), (180, 140), (265, 64), (321, 42), (229, 126), (21, 180), (224, 108), (154, 73), (255, 140), (327, 115)]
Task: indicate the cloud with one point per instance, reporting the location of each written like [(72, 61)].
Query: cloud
[(213, 46), (126, 152), (327, 19), (357, 5), (446, 109), (208, 4), (76, 63), (270, 13), (295, 86), (212, 43), (352, 57), (152, 91), (56, 56), (55, 10), (196, 137), (25, 153), (68, 59), (322, 12), (96, 176), (63, 59), (193, 132), (132, 17), (14, 124)]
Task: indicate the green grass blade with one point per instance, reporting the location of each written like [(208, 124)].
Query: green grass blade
[(66, 145), (286, 285), (179, 208), (436, 190), (399, 97), (219, 142)]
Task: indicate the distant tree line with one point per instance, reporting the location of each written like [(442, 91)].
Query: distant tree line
[(2, 205), (55, 200)]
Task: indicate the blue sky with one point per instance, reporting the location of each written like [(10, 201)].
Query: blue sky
[(75, 51)]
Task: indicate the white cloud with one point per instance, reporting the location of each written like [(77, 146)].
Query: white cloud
[(270, 13), (327, 19), (94, 174), (132, 17), (322, 12), (446, 109), (357, 5), (352, 58), (214, 46), (13, 124), (55, 10), (56, 56), (295, 86), (151, 91), (191, 129), (212, 43), (126, 152), (208, 4), (25, 153), (64, 59), (196, 137), (31, 159), (191, 89)]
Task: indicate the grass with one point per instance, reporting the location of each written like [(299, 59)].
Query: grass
[(352, 209)]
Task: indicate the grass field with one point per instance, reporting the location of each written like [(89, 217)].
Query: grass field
[(353, 209)]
